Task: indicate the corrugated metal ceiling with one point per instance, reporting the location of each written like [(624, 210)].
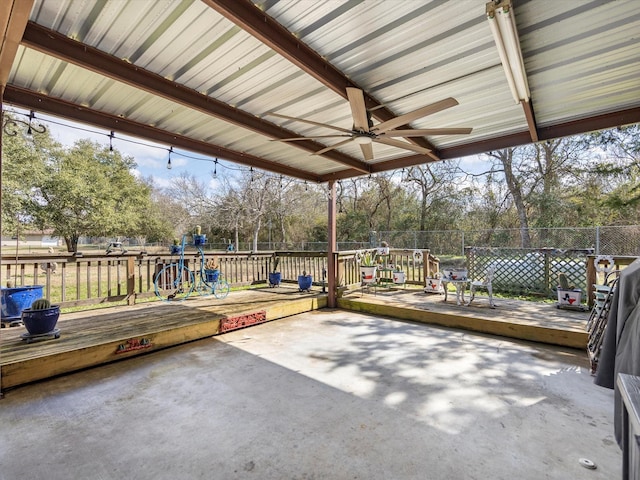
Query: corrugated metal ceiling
[(205, 75)]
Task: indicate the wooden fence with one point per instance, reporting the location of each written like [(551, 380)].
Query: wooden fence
[(95, 278)]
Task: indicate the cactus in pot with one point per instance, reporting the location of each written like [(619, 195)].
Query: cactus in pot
[(41, 318)]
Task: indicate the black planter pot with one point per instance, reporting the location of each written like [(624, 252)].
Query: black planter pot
[(39, 322)]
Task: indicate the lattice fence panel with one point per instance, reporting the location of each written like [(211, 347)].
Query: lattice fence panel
[(529, 271)]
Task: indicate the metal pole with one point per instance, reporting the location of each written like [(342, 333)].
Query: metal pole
[(597, 240)]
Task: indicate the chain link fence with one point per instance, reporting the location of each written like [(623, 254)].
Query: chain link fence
[(622, 240)]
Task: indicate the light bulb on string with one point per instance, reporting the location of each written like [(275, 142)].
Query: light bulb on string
[(169, 162), (111, 136), (215, 168), (251, 171), (32, 115)]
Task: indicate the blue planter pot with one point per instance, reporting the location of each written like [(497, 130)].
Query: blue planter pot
[(17, 299), (176, 249), (212, 275), (199, 240), (38, 322), (275, 278), (304, 282)]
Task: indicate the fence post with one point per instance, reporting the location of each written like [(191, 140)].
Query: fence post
[(597, 240), (462, 231), (131, 281)]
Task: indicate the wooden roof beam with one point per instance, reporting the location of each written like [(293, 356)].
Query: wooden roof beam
[(14, 15)]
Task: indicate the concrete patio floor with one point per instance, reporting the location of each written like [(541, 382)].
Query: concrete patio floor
[(329, 394)]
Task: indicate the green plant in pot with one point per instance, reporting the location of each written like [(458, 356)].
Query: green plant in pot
[(368, 266), (568, 294), (275, 277), (41, 318), (399, 276)]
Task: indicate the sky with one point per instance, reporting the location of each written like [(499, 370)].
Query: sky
[(152, 158)]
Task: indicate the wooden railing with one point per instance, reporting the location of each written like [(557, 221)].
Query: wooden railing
[(94, 278)]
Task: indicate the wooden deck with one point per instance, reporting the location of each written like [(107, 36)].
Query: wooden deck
[(92, 338), (96, 337), (533, 321)]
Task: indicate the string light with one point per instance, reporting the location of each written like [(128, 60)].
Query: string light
[(32, 115), (215, 168), (39, 128)]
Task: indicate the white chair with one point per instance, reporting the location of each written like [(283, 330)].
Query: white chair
[(484, 284)]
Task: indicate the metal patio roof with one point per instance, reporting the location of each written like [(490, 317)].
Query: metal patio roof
[(205, 76)]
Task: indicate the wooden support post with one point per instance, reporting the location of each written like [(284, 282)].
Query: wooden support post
[(331, 251), (131, 281)]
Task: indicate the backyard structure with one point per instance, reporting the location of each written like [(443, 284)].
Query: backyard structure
[(54, 55), (223, 106)]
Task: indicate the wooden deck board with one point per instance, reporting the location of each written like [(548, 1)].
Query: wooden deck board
[(91, 338), (532, 321)]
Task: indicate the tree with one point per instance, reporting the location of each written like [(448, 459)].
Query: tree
[(88, 190), (23, 161), (434, 181)]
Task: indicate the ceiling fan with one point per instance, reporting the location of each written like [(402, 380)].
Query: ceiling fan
[(364, 132)]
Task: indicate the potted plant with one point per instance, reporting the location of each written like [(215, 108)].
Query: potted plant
[(368, 267), (434, 284), (211, 270), (275, 277), (568, 295), (41, 317), (399, 276), (199, 239), (455, 274), (305, 281), (176, 248), (16, 299)]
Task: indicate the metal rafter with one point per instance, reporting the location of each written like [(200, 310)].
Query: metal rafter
[(62, 108), (251, 19), (61, 47)]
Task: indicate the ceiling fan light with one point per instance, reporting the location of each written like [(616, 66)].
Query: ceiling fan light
[(362, 140)]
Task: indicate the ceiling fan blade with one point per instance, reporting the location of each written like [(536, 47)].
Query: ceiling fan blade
[(317, 124), (419, 113), (367, 151), (293, 139), (358, 109), (336, 145), (407, 146), (424, 132)]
